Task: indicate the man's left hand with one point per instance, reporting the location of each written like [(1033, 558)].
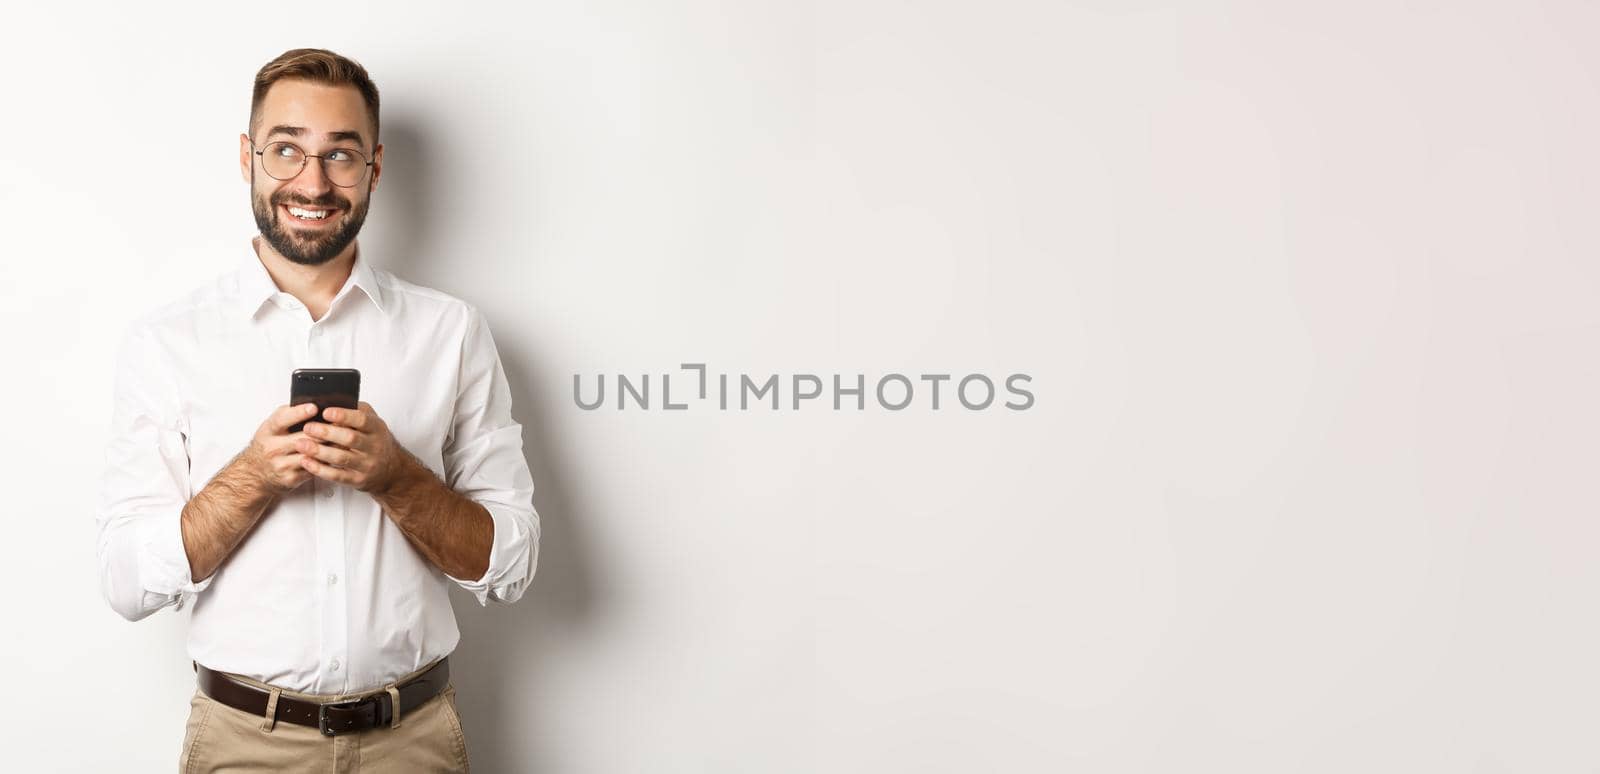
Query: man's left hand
[(354, 447)]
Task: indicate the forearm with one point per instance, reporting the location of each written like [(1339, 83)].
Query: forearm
[(450, 530), (217, 518)]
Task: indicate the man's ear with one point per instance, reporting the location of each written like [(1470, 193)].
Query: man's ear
[(377, 167), (244, 157)]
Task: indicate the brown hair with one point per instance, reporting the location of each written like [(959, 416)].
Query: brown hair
[(319, 66)]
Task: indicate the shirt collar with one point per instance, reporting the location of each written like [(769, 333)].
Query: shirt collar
[(256, 286)]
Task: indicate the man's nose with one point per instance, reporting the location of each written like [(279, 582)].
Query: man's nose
[(312, 181)]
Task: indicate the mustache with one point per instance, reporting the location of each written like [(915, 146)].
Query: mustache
[(327, 202)]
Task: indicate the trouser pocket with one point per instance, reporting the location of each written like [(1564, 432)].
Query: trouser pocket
[(200, 706)]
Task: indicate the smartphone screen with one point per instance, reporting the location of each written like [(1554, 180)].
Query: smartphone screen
[(326, 387)]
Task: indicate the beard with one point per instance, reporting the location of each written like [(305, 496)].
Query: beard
[(296, 245)]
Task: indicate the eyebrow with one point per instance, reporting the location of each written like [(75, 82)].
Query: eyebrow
[(299, 131)]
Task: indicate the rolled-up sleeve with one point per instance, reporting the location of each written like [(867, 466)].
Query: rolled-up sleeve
[(484, 462), (143, 564)]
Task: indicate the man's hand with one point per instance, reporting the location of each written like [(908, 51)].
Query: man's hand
[(217, 518), (354, 447), (273, 454)]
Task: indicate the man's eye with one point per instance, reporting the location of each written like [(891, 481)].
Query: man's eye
[(287, 151), (339, 155)]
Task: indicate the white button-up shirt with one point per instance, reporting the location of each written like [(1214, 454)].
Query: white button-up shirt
[(324, 594)]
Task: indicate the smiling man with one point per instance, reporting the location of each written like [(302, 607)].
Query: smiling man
[(318, 561)]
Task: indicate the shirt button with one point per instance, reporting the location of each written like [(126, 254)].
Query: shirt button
[(335, 665), (332, 579), (327, 491), (316, 333)]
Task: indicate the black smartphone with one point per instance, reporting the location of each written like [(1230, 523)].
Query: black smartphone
[(326, 387)]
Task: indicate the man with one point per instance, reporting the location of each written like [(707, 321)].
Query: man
[(318, 561)]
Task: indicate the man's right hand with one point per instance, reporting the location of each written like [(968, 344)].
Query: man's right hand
[(217, 518), (272, 455)]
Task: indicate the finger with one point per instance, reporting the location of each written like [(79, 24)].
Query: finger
[(336, 434), (284, 416), (278, 444), (357, 418), (327, 472), (332, 455), (287, 462)]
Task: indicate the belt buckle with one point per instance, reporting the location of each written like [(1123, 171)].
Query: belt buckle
[(322, 714)]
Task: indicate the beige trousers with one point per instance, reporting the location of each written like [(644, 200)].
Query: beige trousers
[(221, 738)]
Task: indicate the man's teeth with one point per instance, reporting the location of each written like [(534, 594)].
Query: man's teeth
[(308, 214)]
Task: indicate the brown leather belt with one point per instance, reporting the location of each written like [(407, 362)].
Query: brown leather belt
[(373, 711)]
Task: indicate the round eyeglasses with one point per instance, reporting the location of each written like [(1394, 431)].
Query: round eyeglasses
[(344, 167)]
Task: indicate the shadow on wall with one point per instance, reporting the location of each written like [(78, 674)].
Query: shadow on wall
[(506, 652)]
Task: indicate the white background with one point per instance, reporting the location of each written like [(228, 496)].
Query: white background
[(1306, 290)]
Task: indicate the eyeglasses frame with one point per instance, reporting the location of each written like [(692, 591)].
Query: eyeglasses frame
[(320, 157)]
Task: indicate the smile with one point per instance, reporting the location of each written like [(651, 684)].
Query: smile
[(308, 214)]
